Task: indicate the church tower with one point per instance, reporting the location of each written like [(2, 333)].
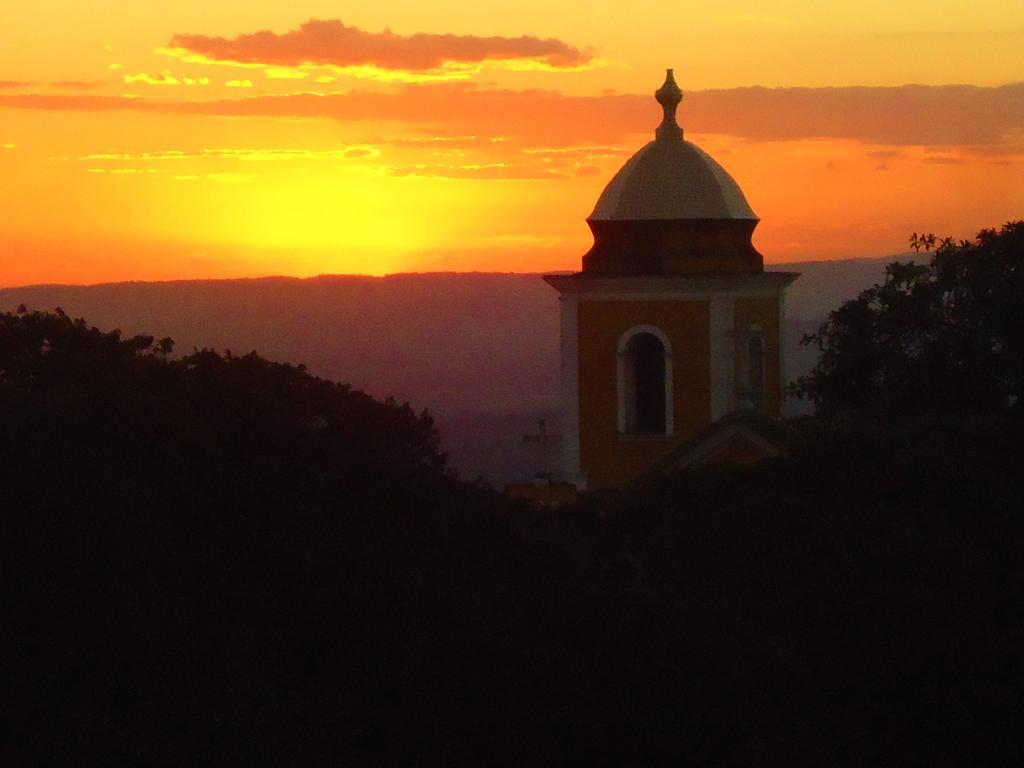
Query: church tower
[(672, 325)]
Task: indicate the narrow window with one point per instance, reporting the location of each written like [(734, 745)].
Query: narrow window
[(645, 385), (755, 372)]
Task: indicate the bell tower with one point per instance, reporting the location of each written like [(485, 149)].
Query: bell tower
[(672, 324)]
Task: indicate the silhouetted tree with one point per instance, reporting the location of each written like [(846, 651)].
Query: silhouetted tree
[(930, 341)]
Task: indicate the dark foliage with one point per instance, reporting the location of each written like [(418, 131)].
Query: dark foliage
[(930, 341), (220, 560)]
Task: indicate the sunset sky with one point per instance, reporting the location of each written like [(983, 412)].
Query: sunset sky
[(219, 138)]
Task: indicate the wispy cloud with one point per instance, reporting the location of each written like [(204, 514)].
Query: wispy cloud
[(525, 239), (69, 85), (938, 116), (123, 171), (78, 85), (910, 114), (354, 51), (496, 160), (585, 153), (245, 154), (887, 154), (943, 159), (492, 171), (164, 78)]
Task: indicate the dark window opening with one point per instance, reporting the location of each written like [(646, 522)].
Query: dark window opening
[(755, 372), (645, 385)]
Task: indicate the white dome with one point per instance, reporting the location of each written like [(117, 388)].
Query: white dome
[(670, 178)]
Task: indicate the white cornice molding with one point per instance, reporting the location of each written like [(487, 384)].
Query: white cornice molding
[(670, 287)]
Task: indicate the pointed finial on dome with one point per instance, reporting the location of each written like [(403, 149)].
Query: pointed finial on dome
[(669, 96)]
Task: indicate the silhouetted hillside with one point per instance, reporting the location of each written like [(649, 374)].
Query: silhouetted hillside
[(480, 351)]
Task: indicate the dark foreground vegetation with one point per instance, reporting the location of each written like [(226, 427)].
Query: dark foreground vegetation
[(222, 560)]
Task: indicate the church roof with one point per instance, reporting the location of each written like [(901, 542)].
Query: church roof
[(671, 178), (743, 436)]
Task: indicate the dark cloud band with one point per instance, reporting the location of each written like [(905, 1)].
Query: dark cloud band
[(910, 115)]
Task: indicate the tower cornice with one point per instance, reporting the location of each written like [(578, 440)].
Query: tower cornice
[(669, 287)]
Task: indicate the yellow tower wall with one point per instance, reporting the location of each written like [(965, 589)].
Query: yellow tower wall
[(608, 458)]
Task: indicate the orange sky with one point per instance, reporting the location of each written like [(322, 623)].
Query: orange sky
[(221, 138)]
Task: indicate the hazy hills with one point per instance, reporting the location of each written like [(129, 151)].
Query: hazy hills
[(480, 351)]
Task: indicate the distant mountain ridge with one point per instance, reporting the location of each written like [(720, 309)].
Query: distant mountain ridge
[(479, 350)]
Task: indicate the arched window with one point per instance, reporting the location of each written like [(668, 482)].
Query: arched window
[(645, 382), (755, 367), (755, 370)]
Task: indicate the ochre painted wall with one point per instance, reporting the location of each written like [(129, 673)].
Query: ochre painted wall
[(607, 458), (764, 312)]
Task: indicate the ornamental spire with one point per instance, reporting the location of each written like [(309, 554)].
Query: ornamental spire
[(669, 96)]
